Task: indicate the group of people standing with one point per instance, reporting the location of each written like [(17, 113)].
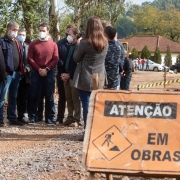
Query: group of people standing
[(28, 71), (142, 64)]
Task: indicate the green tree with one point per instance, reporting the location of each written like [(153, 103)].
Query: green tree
[(145, 53), (134, 53), (168, 57), (147, 20), (157, 55), (65, 20), (83, 9), (178, 59), (125, 27), (33, 13)]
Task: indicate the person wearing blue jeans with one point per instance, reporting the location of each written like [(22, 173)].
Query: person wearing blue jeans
[(90, 57), (43, 58), (85, 97), (13, 54), (40, 110), (46, 83)]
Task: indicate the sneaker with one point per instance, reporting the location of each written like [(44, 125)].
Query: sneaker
[(50, 123), (68, 122), (80, 124), (32, 122), (2, 124), (60, 121), (15, 122), (39, 119)]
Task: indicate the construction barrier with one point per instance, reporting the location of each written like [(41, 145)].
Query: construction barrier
[(158, 84), (133, 133)]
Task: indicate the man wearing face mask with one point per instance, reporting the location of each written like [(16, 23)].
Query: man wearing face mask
[(43, 58), (72, 96), (13, 55), (24, 86), (63, 48)]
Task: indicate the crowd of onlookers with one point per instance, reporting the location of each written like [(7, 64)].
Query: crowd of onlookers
[(28, 70)]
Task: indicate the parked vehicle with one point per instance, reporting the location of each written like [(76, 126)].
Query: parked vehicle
[(166, 68), (175, 68), (152, 65)]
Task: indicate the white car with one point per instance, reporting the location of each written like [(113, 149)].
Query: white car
[(152, 65)]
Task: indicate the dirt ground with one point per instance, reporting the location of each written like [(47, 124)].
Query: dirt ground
[(54, 153)]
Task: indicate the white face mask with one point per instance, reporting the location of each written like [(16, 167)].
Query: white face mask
[(69, 39), (42, 35), (13, 34)]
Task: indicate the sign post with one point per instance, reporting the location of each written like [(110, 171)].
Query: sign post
[(133, 133)]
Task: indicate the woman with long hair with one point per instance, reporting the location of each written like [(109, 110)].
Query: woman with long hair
[(90, 56)]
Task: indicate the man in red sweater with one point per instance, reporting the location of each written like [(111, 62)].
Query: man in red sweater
[(43, 58)]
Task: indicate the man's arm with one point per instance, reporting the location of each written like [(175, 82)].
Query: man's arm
[(31, 61), (54, 59)]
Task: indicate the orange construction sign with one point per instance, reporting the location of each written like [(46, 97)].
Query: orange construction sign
[(133, 133)]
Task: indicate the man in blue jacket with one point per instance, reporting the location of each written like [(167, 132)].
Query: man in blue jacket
[(13, 55), (63, 48)]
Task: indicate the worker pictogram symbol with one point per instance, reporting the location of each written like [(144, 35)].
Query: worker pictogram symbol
[(111, 143)]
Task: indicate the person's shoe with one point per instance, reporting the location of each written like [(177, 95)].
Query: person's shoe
[(74, 124), (22, 121), (32, 122), (81, 138), (2, 124), (59, 121), (15, 122), (50, 123), (68, 122), (39, 119), (80, 124)]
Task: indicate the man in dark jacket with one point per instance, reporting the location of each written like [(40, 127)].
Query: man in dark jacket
[(112, 58), (72, 96), (2, 69), (63, 48), (127, 74), (13, 55), (24, 85)]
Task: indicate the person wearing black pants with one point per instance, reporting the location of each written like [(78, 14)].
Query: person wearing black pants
[(25, 83), (2, 70), (63, 48)]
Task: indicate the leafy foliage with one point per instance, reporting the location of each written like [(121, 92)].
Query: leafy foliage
[(145, 53), (83, 9), (157, 55), (27, 13), (125, 27), (168, 57)]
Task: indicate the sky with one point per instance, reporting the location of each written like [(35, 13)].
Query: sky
[(140, 1)]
